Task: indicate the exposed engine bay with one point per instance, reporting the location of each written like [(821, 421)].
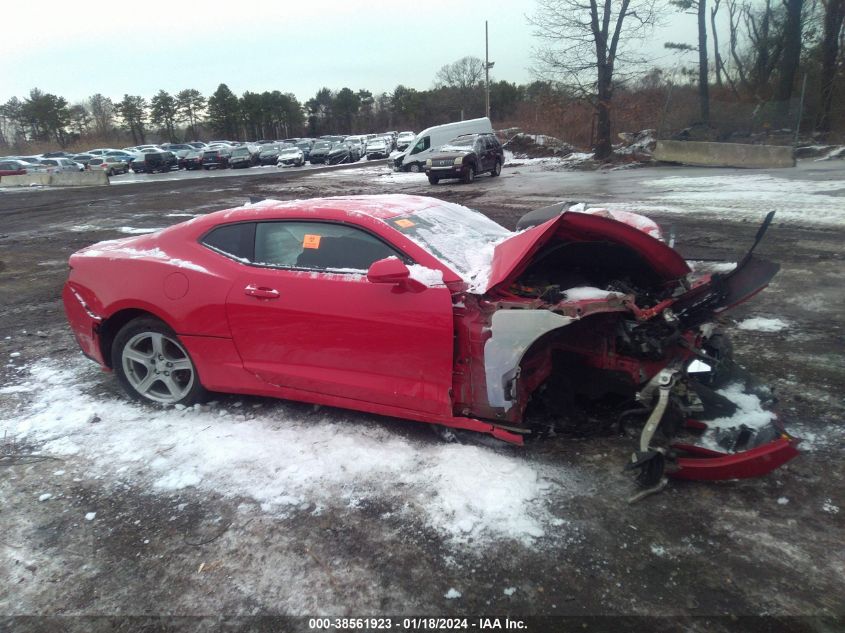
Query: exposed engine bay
[(595, 324)]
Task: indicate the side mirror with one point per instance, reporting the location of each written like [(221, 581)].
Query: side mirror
[(390, 270)]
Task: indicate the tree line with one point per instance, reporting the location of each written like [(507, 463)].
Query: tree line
[(188, 115)]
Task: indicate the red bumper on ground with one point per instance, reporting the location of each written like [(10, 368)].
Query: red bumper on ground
[(708, 465)]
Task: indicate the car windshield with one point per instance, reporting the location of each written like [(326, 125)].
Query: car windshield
[(304, 144), (290, 150), (241, 151), (461, 238), (322, 144)]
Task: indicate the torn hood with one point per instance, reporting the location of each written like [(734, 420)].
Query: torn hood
[(513, 255)]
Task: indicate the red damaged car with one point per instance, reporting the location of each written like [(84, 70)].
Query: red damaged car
[(416, 308)]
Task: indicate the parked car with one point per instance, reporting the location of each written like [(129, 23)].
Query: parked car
[(55, 165), (426, 142), (269, 154), (101, 151), (310, 300), (56, 155), (217, 158), (82, 159), (341, 153), (465, 157), (404, 139), (291, 156), (110, 164), (151, 162), (241, 157), (319, 151), (18, 167), (377, 148), (305, 145), (190, 161)]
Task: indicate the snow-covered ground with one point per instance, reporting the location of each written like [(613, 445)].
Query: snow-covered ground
[(746, 196), (288, 460)]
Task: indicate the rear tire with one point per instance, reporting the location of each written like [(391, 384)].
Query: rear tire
[(153, 366)]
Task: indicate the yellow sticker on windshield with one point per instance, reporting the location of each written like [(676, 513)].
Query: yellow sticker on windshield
[(311, 241), (405, 224)]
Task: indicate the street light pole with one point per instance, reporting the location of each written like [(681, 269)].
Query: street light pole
[(487, 66)]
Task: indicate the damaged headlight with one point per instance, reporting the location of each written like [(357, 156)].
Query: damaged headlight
[(459, 160)]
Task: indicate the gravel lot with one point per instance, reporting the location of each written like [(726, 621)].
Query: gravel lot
[(379, 541)]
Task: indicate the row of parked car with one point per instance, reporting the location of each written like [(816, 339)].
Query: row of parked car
[(330, 149)]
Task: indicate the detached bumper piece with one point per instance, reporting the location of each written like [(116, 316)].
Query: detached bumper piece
[(699, 463), (750, 453)]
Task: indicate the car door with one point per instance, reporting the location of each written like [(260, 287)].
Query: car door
[(304, 317)]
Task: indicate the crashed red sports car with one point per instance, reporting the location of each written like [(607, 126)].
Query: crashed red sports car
[(416, 308)]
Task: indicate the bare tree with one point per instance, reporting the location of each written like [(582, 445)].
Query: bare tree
[(834, 17), (792, 31), (103, 111), (698, 8), (585, 41), (464, 74)]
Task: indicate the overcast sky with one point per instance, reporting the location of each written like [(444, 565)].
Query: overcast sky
[(75, 50)]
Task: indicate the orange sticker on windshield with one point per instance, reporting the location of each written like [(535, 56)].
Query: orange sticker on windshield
[(405, 224), (311, 241)]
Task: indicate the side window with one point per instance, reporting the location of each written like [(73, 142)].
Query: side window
[(235, 240), (318, 246), (479, 146), (423, 144)]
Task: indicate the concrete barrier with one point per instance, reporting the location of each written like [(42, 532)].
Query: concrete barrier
[(61, 179), (79, 179), (724, 154), (25, 181)]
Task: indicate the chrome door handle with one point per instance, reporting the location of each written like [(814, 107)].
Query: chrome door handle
[(262, 292)]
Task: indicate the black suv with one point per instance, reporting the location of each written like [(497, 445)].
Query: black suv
[(155, 161), (465, 157)]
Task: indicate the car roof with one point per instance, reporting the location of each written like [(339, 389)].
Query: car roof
[(377, 207)]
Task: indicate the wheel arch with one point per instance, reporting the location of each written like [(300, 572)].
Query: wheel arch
[(108, 329)]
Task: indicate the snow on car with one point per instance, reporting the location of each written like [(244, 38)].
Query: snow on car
[(417, 308)]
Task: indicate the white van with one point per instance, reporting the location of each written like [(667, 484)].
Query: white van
[(429, 140)]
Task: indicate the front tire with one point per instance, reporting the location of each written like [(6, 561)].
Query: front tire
[(468, 175), (414, 169), (152, 365), (433, 180), (497, 169)]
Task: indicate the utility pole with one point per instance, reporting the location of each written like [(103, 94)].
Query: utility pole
[(487, 66)]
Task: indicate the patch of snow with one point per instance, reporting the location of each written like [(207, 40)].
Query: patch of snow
[(509, 591), (828, 507), (90, 516), (45, 496), (658, 550), (586, 293), (747, 197), (426, 276), (782, 501), (129, 230), (25, 388), (452, 594), (761, 324), (749, 412), (287, 461)]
